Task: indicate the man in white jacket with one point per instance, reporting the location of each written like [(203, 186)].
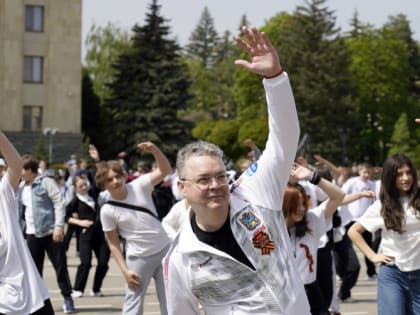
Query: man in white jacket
[(232, 256)]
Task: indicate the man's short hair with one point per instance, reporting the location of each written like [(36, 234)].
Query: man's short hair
[(30, 163), (198, 148)]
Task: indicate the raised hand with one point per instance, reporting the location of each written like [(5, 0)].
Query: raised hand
[(93, 153), (300, 172), (264, 59), (147, 146)]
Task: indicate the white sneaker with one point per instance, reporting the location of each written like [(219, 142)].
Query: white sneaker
[(76, 294), (96, 294)]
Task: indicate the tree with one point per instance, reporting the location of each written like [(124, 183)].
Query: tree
[(150, 87), (400, 26), (104, 45), (404, 139), (318, 58), (204, 41), (357, 26), (401, 138), (91, 111), (380, 74)]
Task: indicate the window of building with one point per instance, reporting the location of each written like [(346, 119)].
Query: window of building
[(32, 69), (34, 18), (32, 118)]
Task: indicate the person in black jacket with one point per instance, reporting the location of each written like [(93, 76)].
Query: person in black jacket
[(83, 211)]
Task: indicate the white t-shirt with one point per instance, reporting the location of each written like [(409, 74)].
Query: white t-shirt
[(309, 242), (22, 290), (357, 208), (144, 234), (404, 247), (27, 202)]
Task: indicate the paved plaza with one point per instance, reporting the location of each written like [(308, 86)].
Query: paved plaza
[(364, 295)]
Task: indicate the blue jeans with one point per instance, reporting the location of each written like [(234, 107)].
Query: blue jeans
[(398, 291)]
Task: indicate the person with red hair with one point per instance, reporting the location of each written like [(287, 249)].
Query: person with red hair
[(306, 226)]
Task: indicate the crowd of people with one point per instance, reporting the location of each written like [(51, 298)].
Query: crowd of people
[(269, 238)]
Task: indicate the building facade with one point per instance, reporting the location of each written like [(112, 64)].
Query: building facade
[(40, 74)]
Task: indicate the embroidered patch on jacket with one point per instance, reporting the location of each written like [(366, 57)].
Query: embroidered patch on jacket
[(250, 220), (262, 240), (252, 169)]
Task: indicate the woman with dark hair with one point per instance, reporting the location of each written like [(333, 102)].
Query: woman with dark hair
[(306, 226), (397, 213)]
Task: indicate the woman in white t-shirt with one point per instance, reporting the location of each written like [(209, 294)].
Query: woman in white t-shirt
[(397, 213), (22, 290), (306, 226)]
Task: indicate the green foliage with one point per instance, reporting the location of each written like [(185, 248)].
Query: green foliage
[(40, 152), (104, 45), (204, 129), (400, 140), (316, 58), (256, 129), (404, 139), (224, 133), (204, 40), (380, 74), (150, 87), (91, 111)]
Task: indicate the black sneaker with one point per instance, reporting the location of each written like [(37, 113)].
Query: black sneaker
[(68, 306)]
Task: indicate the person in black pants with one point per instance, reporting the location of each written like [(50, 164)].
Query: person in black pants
[(42, 208), (347, 266), (83, 211)]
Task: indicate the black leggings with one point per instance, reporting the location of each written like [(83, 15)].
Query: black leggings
[(47, 309)]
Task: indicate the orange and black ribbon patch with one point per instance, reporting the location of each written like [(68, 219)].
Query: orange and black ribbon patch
[(308, 256), (262, 240)]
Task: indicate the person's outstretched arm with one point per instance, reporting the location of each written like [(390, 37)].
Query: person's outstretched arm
[(263, 186), (163, 166), (334, 193), (355, 234), (13, 160)]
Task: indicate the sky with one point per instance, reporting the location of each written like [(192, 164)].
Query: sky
[(184, 15)]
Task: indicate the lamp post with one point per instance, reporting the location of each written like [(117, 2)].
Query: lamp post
[(50, 132)]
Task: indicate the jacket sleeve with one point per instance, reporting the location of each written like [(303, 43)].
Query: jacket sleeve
[(265, 181), (72, 207), (57, 201)]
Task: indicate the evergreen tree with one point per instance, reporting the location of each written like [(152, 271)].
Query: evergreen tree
[(91, 112), (381, 75), (204, 40), (358, 27), (311, 47), (104, 45), (150, 88), (401, 139), (400, 26)]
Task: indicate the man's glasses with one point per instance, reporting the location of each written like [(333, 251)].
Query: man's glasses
[(205, 181)]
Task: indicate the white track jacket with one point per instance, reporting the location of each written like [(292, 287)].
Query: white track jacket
[(196, 273)]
